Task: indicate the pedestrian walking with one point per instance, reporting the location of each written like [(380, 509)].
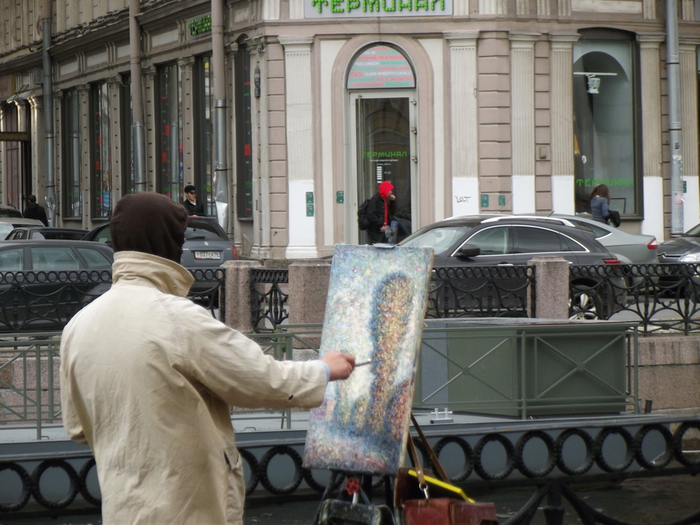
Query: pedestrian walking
[(34, 210)]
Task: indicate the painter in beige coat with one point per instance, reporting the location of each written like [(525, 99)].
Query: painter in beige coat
[(146, 380)]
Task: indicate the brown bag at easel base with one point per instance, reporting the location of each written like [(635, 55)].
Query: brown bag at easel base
[(421, 499)]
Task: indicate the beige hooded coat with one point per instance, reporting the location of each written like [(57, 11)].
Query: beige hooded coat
[(146, 380)]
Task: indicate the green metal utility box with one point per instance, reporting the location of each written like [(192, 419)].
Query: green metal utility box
[(527, 367)]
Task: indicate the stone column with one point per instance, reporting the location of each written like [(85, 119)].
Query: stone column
[(689, 126), (551, 278), (149, 125), (562, 115), (238, 309), (38, 142), (189, 144), (271, 9), (296, 9), (522, 93), (300, 147), (85, 138), (115, 146), (650, 106), (564, 8), (308, 290), (465, 121)]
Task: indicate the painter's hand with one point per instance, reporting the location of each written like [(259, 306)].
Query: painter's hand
[(340, 364)]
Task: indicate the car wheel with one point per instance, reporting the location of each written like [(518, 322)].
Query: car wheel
[(586, 305)]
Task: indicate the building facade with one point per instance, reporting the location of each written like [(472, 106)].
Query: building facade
[(467, 106)]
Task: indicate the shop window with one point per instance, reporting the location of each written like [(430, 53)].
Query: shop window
[(381, 66), (70, 119), (169, 162), (100, 155), (203, 115), (244, 134), (605, 146)]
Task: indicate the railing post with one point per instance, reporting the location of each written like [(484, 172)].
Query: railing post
[(552, 287), (237, 297), (308, 289)]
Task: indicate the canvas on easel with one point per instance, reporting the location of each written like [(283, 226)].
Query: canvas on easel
[(376, 304)]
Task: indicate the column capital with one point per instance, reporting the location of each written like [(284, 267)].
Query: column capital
[(651, 39), (289, 41), (685, 41), (563, 40), (460, 38), (185, 61), (520, 40)]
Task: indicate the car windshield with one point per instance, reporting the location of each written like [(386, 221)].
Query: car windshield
[(694, 231), (439, 239)]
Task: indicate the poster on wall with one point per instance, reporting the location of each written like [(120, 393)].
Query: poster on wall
[(375, 309)]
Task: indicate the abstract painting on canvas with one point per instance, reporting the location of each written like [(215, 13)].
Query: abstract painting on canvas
[(375, 308)]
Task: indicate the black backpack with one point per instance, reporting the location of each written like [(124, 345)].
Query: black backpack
[(362, 218)]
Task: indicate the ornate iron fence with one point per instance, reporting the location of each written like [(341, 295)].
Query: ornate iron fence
[(663, 298), (46, 301), (268, 301), (493, 291)]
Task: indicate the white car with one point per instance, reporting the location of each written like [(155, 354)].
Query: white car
[(7, 224)]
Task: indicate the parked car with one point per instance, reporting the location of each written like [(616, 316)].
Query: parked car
[(682, 255), (493, 240), (206, 247), (45, 232), (7, 224), (637, 248), (682, 249), (9, 211), (49, 299)]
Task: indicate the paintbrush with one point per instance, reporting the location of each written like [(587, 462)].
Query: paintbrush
[(363, 363)]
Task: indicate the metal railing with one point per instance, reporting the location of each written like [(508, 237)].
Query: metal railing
[(29, 380), (482, 291), (650, 445), (662, 298), (46, 301), (269, 303)]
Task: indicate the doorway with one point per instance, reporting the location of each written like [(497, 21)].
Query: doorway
[(384, 146)]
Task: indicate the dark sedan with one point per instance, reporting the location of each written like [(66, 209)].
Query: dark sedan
[(681, 258), (44, 283), (45, 232), (682, 249), (206, 248), (484, 240)]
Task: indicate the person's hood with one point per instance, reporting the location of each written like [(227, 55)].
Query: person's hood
[(166, 275), (150, 223), (385, 188)]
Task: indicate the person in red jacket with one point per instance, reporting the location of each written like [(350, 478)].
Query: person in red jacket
[(380, 211)]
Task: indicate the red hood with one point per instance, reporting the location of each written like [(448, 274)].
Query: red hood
[(385, 188)]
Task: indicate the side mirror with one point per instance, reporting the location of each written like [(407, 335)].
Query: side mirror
[(468, 250)]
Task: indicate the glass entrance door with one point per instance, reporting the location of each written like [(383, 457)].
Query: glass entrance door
[(384, 143)]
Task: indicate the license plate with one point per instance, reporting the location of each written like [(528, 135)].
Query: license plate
[(207, 255)]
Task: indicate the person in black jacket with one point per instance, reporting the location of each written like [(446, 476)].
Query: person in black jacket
[(35, 210), (191, 204), (380, 211)]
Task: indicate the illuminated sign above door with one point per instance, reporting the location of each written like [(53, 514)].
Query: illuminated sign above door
[(381, 67), (375, 8)]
